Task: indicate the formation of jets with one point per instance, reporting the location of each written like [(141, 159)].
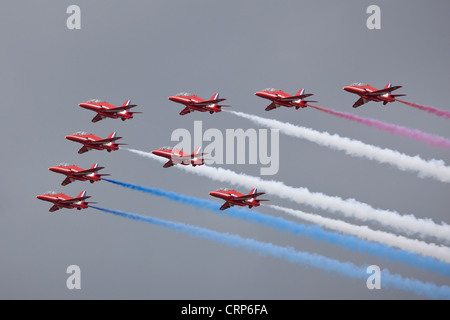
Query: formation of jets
[(191, 103), (89, 142)]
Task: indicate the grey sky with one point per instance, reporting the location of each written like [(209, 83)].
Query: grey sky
[(148, 50)]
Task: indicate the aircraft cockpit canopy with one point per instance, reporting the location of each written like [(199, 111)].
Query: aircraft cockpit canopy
[(270, 89)]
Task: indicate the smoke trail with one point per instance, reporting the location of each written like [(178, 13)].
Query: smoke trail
[(438, 112), (349, 207), (392, 128), (363, 232), (434, 168), (288, 253), (313, 232)]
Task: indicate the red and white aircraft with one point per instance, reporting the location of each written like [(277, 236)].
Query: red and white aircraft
[(232, 197), (60, 200), (368, 93), (75, 173), (107, 110), (176, 156), (281, 98), (194, 103), (90, 141)]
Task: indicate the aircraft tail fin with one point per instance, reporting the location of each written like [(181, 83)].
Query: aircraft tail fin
[(389, 85), (300, 92), (94, 166), (253, 191), (112, 135), (82, 194), (197, 150), (126, 103), (215, 96)]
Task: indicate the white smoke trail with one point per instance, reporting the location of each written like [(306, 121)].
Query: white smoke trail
[(433, 168), (349, 207), (364, 232)]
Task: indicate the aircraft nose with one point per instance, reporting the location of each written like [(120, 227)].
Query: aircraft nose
[(346, 88)]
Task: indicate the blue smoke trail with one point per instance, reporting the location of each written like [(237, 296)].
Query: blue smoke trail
[(288, 253), (313, 232)]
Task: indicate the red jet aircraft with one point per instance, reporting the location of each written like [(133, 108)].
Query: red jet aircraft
[(90, 141), (281, 98), (60, 200), (368, 93), (107, 110), (232, 197), (75, 173), (194, 103), (176, 156)]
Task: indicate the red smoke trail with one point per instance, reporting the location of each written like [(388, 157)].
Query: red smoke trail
[(440, 113), (392, 128)]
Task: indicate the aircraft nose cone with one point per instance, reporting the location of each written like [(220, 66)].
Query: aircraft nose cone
[(346, 88)]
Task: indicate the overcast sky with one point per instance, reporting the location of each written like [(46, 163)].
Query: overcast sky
[(148, 50)]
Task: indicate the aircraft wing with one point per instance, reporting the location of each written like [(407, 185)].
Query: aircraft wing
[(54, 208), (118, 109), (359, 103), (271, 106), (66, 181), (97, 118), (73, 200), (185, 111), (105, 140), (168, 164), (207, 102), (84, 172), (292, 98), (187, 157), (83, 150), (226, 205), (383, 91), (249, 196)]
